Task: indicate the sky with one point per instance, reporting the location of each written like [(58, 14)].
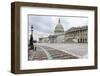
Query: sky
[(45, 25)]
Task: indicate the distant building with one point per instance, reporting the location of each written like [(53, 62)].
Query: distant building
[(43, 40), (52, 38), (58, 36), (73, 35), (77, 34)]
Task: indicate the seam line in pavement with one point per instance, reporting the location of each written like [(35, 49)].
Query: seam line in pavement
[(47, 53)]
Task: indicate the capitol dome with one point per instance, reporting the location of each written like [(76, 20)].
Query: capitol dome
[(59, 29)]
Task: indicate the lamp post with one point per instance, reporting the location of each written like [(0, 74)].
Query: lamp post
[(31, 38)]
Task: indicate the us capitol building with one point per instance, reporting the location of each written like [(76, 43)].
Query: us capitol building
[(72, 35)]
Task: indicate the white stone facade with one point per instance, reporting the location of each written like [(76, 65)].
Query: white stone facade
[(77, 34)]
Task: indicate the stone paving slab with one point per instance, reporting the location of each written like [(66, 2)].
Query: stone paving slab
[(76, 49), (40, 54), (57, 54), (37, 55)]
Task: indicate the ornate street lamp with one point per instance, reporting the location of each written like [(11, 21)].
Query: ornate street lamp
[(32, 29), (31, 38)]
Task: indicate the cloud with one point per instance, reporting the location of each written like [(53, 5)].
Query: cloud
[(41, 23)]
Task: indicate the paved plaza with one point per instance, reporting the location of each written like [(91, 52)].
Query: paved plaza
[(46, 51)]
